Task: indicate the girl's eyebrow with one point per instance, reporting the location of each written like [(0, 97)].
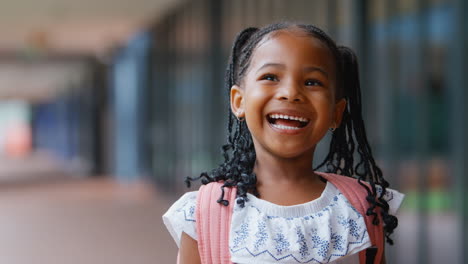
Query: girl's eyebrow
[(313, 68), (282, 66), (270, 64)]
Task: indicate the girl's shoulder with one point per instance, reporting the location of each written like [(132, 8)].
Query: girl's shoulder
[(180, 217), (354, 191), (393, 197)]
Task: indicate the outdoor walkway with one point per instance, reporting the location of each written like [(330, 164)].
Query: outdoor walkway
[(81, 221)]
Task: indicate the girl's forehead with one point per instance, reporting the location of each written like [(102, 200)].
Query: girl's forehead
[(288, 44)]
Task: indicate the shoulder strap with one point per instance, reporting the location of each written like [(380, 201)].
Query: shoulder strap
[(356, 195), (213, 222)]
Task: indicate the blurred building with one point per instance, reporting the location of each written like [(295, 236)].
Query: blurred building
[(153, 104)]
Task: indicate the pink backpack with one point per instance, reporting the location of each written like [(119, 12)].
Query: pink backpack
[(214, 220)]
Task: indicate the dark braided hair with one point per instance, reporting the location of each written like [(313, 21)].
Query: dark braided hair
[(348, 138)]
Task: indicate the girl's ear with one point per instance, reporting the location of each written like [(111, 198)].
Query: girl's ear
[(237, 101), (339, 109)]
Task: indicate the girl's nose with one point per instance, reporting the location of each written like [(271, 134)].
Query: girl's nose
[(290, 93)]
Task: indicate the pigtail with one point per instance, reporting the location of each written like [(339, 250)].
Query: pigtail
[(231, 73), (239, 153), (238, 166), (350, 137)]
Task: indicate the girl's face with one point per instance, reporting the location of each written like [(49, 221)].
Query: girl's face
[(288, 94)]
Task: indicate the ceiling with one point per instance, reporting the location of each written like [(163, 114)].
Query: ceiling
[(33, 28), (85, 26), (39, 81)]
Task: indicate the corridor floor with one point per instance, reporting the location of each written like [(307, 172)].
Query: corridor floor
[(98, 221), (83, 221)]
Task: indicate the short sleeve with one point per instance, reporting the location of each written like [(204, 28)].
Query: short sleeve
[(393, 198), (181, 217)]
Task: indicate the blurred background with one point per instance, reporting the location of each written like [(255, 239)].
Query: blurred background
[(106, 106)]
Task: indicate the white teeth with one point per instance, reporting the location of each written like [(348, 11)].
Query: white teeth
[(277, 116), (284, 127)]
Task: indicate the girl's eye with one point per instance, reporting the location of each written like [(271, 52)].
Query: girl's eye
[(313, 83), (270, 77)]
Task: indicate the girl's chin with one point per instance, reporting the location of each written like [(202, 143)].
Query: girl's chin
[(290, 152), (285, 148)]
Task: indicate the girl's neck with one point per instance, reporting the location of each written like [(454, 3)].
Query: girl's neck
[(287, 181), (277, 169)]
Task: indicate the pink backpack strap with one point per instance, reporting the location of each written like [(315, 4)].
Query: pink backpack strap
[(213, 222), (356, 195)]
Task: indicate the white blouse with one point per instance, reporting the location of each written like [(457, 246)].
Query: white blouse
[(325, 230)]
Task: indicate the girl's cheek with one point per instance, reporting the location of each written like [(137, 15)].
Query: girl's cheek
[(257, 93), (321, 98)]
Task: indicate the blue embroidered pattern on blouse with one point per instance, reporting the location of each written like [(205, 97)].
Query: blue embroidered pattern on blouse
[(261, 235), (291, 240), (303, 250), (350, 224), (337, 241), (321, 244), (241, 234), (189, 213), (282, 244)]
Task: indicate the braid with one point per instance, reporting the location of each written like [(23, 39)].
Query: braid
[(340, 159), (239, 152)]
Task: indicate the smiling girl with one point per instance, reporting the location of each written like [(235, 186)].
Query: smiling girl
[(289, 86)]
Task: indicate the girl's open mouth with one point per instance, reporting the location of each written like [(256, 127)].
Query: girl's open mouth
[(287, 122)]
